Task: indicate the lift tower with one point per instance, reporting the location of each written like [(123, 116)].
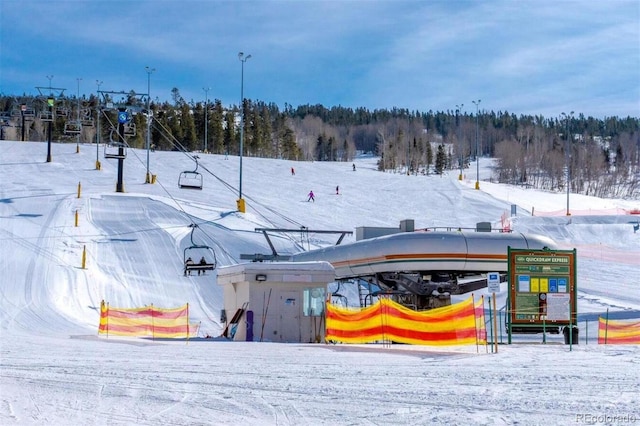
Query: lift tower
[(129, 104)]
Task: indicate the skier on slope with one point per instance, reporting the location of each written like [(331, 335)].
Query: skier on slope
[(311, 197)]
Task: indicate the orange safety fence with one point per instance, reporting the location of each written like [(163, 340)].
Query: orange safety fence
[(148, 321), (459, 324), (618, 332), (588, 212)]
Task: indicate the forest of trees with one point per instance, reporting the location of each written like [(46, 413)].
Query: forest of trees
[(602, 155)]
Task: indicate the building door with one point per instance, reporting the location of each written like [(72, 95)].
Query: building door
[(290, 308)]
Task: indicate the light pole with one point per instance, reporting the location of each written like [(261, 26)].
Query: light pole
[(458, 109), (79, 126), (567, 156), (51, 103), (243, 59), (477, 104), (206, 115), (98, 166), (149, 71)]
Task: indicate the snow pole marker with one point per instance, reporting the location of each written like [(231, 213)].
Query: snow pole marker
[(495, 324)]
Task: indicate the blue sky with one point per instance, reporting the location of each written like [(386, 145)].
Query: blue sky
[(524, 57)]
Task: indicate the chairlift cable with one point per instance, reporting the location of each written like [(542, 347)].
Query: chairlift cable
[(176, 144)]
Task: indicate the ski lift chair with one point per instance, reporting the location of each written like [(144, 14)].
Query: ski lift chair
[(45, 116), (129, 129), (191, 179), (115, 150), (72, 128), (205, 257), (29, 113), (87, 119)]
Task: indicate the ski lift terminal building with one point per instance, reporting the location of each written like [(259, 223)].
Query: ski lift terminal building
[(275, 302)]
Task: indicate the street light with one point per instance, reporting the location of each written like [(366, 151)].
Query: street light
[(79, 127), (567, 156), (206, 114), (477, 104), (51, 103), (458, 109), (149, 71), (243, 59), (98, 83)]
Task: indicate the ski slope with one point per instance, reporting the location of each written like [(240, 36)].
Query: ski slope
[(54, 369)]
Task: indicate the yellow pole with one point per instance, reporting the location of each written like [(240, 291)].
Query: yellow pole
[(79, 189), (241, 205), (495, 323), (84, 257), (76, 218), (98, 165)]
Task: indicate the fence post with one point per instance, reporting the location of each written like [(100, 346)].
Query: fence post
[(606, 326)]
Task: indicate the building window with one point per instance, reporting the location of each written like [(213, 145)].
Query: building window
[(314, 299)]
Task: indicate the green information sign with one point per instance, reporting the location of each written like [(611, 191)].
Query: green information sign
[(542, 288)]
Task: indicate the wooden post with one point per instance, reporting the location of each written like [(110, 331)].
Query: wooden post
[(84, 257), (79, 189), (76, 218)]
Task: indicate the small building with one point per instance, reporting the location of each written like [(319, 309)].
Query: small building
[(275, 302)]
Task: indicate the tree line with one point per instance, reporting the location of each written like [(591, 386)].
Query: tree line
[(594, 156)]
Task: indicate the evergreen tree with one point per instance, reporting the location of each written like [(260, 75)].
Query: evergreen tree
[(290, 149), (216, 128), (441, 160), (231, 146), (188, 129), (429, 155)]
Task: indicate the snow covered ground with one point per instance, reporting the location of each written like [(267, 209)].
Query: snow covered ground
[(54, 369)]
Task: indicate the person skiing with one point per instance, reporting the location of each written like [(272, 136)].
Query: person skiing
[(354, 166), (311, 197), (337, 190), (293, 172)]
